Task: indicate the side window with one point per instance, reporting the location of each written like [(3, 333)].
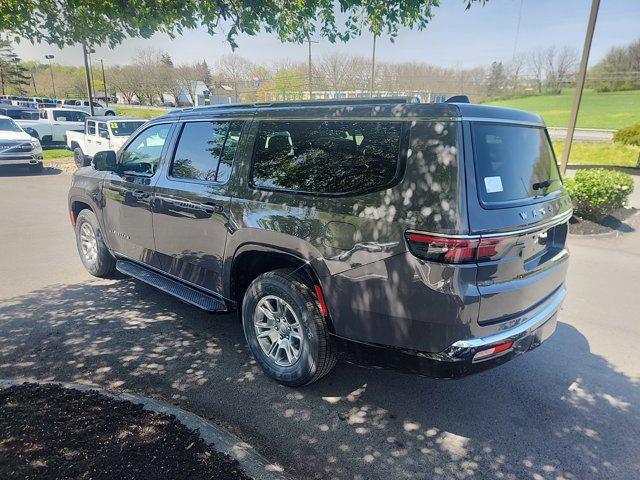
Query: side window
[(91, 128), (229, 151), (43, 114), (327, 157), (103, 131), (69, 116), (205, 149), (142, 155)]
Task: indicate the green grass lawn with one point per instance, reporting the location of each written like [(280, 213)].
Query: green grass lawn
[(598, 110), (140, 112), (599, 153), (57, 153)]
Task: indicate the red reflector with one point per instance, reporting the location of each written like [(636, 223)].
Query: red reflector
[(73, 218), (492, 352), (323, 306)]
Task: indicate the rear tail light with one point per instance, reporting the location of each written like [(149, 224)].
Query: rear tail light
[(492, 351), (456, 250)]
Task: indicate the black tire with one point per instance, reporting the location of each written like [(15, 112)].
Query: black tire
[(110, 113), (79, 157), (102, 264), (317, 355), (36, 168)]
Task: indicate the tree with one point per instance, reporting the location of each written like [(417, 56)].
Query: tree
[(515, 69), (187, 77), (336, 72), (205, 73), (289, 83), (13, 75), (619, 69), (560, 66), (235, 70), (536, 65), (127, 80), (96, 22), (497, 79)]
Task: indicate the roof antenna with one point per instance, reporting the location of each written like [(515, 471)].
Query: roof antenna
[(458, 99)]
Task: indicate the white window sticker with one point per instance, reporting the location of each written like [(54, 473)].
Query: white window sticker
[(493, 184)]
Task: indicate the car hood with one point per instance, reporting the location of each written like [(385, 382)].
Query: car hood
[(118, 141), (7, 135)]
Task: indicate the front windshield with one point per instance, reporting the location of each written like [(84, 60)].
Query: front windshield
[(124, 129), (8, 125)]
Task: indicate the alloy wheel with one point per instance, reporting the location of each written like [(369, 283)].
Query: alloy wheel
[(278, 330)]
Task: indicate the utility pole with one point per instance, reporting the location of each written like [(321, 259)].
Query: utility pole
[(104, 82), (93, 84), (33, 79), (85, 55), (582, 74), (53, 84), (373, 65), (309, 73)]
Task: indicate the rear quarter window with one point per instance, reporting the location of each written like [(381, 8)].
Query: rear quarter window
[(327, 157)]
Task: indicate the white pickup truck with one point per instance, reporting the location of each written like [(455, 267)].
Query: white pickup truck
[(53, 124), (100, 133), (98, 108)]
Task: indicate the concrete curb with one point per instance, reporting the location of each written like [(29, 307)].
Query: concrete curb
[(224, 441)]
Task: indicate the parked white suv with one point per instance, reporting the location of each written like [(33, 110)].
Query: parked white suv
[(98, 108), (100, 133), (17, 147)]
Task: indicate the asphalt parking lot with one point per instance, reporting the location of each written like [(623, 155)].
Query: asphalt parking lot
[(568, 410)]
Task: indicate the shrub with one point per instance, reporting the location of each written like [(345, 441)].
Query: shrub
[(628, 135), (597, 192)]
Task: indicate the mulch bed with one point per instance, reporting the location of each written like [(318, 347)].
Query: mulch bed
[(621, 220), (50, 432)]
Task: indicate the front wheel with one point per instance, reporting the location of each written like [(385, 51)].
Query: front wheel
[(79, 158), (285, 329), (93, 252)]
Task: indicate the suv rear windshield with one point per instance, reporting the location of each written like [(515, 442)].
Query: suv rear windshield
[(513, 162), (326, 157)]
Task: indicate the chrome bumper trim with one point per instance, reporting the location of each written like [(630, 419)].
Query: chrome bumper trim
[(466, 349)]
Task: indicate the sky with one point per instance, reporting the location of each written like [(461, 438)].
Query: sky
[(454, 38)]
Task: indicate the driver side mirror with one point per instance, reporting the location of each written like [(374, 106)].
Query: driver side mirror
[(105, 161)]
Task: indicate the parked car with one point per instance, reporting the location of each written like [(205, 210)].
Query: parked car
[(53, 124), (98, 108), (19, 113), (17, 147), (424, 237), (100, 133)]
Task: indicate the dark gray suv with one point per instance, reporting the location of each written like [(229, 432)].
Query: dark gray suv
[(424, 237)]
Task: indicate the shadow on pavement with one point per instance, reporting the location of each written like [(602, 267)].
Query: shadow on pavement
[(557, 412), (23, 171)]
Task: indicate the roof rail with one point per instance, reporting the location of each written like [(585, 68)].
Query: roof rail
[(299, 103)]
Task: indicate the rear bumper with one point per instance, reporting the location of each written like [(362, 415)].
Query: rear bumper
[(457, 360)]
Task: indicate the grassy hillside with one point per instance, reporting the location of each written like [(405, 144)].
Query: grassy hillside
[(140, 112), (600, 153), (598, 110)]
